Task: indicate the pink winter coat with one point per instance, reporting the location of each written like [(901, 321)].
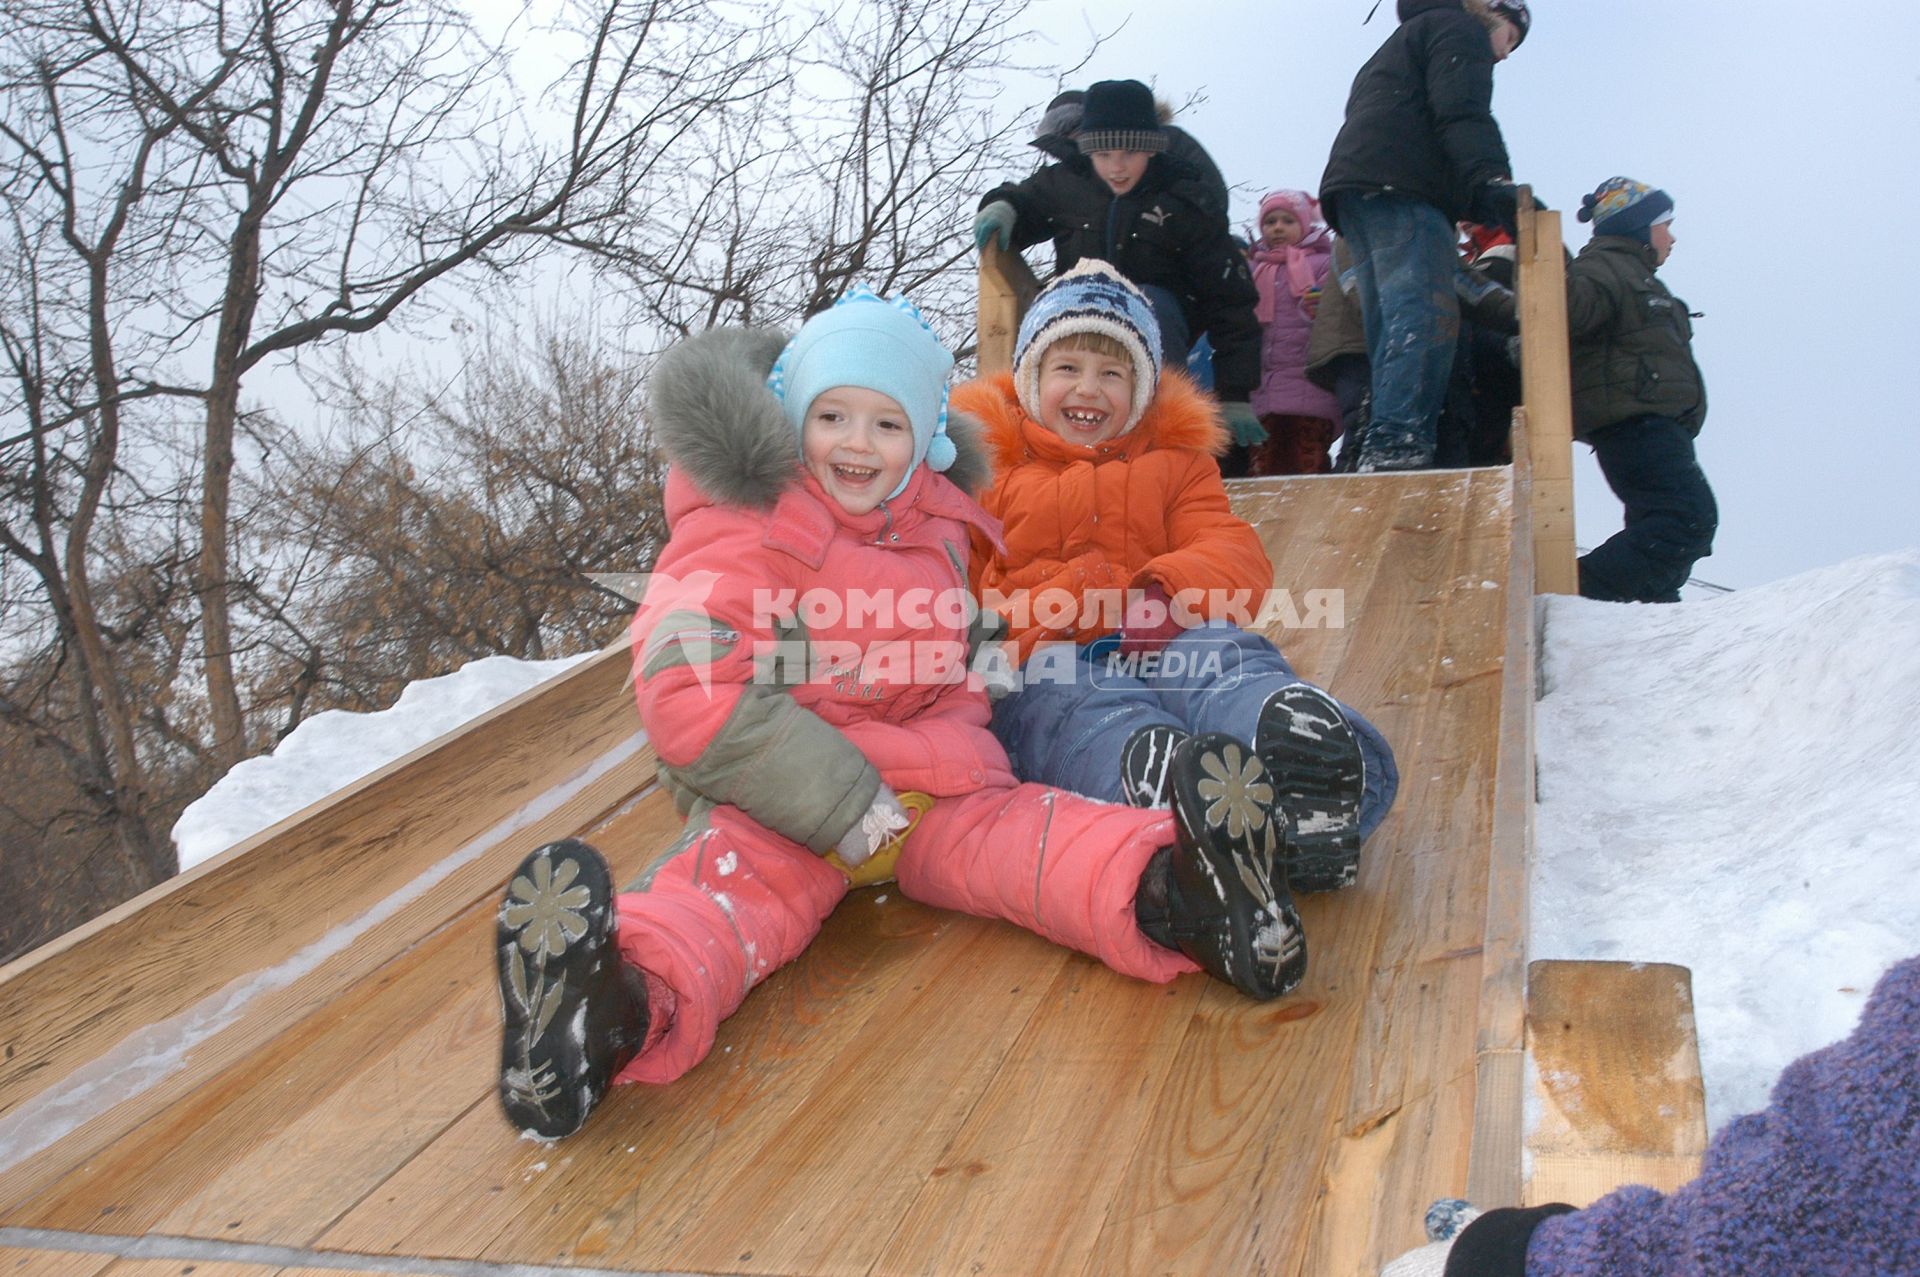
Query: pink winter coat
[(789, 655), (1284, 389)]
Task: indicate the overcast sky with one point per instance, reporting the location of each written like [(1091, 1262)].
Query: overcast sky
[(1789, 137)]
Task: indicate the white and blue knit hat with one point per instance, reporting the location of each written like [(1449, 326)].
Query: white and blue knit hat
[(1093, 297), (877, 344)]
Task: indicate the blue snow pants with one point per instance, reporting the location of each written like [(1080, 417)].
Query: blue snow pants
[(1067, 724), (1404, 263)]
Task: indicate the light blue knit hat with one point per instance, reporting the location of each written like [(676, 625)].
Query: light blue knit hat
[(877, 344), (1093, 297)]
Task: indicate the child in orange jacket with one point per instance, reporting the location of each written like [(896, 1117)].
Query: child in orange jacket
[(1123, 574), (800, 663)]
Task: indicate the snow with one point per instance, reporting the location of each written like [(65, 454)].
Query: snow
[(1734, 785), (333, 749), (1731, 784)]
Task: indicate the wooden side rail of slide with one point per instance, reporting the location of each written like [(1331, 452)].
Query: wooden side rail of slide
[(1616, 1078), (1546, 393), (1007, 288)]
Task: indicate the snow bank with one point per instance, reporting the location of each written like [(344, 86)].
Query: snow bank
[(336, 748), (1734, 785)]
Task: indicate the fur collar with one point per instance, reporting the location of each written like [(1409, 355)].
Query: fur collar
[(1180, 416), (709, 406)]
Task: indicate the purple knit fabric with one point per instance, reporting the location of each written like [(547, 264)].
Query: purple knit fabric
[(1825, 1180)]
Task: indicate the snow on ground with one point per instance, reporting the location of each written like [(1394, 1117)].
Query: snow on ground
[(1731, 784), (332, 750), (1734, 785)]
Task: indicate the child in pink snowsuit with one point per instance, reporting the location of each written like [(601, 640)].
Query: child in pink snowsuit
[(801, 661), (1292, 252)]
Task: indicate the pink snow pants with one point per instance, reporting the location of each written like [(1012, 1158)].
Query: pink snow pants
[(738, 901)]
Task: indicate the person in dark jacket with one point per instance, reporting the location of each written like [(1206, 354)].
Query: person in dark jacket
[(1820, 1182), (1119, 200), (1196, 178), (1638, 397), (1419, 151)]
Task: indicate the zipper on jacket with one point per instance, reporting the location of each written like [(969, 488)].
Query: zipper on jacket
[(886, 532)]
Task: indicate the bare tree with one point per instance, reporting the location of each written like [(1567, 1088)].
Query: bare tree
[(864, 168), (451, 525), (235, 182)]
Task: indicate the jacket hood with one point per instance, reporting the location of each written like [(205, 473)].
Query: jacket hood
[(1414, 8), (715, 419), (1180, 416)]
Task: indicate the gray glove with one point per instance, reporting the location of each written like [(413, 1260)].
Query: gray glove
[(995, 221)]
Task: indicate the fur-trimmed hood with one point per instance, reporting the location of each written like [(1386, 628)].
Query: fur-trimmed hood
[(1180, 416), (710, 408)]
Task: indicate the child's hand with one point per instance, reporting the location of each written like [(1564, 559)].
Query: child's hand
[(1310, 302), (995, 221), (1148, 624), (885, 818)]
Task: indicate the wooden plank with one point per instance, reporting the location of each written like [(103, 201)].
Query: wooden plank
[(1403, 1136), (278, 1146), (26, 1261), (215, 963), (1025, 1184), (1494, 1174), (1616, 1073), (1546, 390), (1007, 287)]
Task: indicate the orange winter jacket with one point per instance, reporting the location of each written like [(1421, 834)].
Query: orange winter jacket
[(1146, 508)]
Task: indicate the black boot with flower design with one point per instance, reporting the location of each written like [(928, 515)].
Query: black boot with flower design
[(1228, 907), (575, 1013)]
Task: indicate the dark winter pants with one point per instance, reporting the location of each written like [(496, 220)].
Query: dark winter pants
[(1068, 723), (1671, 516), (1404, 262)]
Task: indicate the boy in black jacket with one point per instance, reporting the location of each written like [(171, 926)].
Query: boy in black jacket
[(1419, 151), (1638, 397), (1123, 199)]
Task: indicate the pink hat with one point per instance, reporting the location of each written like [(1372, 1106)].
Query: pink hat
[(1302, 205)]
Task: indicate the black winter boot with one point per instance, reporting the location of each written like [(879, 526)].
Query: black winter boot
[(1228, 907), (575, 1013), (1318, 777), (1144, 760)]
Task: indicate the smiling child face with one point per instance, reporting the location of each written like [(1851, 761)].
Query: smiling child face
[(1085, 396), (858, 443)]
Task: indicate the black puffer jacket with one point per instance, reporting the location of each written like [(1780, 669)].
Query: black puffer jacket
[(1420, 116), (1632, 341), (1153, 237)]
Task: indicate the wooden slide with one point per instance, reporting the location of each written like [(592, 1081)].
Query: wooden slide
[(284, 1061)]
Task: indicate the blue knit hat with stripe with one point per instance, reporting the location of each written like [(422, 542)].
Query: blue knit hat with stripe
[(1093, 297), (877, 344), (1621, 206)]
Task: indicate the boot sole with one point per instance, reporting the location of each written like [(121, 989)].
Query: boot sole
[(1144, 763), (553, 939), (1220, 798), (1319, 777)]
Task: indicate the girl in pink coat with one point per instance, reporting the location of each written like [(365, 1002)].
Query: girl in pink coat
[(801, 662), (1292, 251)]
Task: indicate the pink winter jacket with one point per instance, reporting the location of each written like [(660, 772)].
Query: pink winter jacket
[(788, 656), (1284, 389)]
